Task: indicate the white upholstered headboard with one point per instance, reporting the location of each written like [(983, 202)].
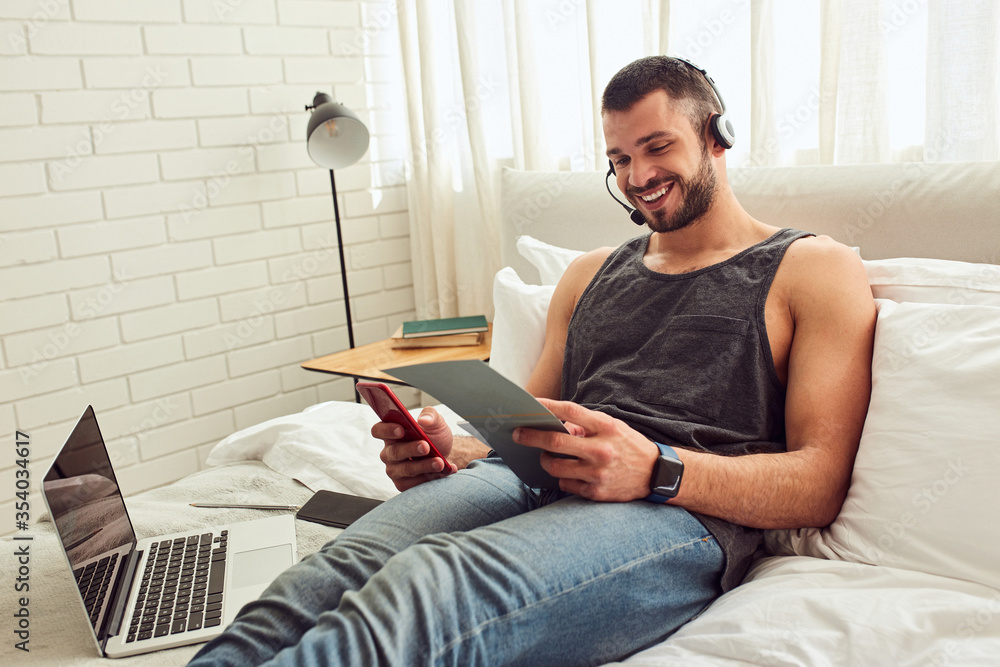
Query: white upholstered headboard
[(946, 210)]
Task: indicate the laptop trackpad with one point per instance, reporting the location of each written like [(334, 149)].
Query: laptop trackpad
[(259, 567)]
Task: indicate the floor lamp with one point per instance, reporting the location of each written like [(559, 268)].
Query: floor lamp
[(336, 138)]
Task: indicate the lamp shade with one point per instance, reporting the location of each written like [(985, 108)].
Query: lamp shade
[(335, 137)]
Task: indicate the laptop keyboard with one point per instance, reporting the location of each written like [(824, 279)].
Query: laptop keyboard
[(93, 582), (181, 587)]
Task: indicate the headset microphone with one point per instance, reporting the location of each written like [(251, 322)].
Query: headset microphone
[(633, 214)]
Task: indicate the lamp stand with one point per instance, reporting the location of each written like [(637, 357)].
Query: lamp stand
[(343, 264), (343, 275)]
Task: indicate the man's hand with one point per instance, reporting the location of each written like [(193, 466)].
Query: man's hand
[(614, 462), (406, 461)]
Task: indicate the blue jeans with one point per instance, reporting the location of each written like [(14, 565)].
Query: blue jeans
[(478, 569)]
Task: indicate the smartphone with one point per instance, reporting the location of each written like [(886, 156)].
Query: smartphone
[(336, 509), (389, 409)]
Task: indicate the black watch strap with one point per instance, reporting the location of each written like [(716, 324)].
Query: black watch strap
[(667, 473)]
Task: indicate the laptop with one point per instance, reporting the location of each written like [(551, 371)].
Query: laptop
[(160, 592)]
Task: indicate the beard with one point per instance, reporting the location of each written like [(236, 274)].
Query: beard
[(698, 194)]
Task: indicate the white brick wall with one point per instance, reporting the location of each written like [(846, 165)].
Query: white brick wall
[(87, 38), (167, 248)]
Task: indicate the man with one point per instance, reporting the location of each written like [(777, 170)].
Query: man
[(741, 350)]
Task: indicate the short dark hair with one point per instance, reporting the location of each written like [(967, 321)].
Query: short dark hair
[(680, 81)]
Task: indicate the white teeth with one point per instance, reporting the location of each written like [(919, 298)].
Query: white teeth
[(656, 195)]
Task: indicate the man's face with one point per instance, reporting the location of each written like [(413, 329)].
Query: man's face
[(661, 163)]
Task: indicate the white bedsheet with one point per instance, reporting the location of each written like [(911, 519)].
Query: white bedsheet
[(809, 611)]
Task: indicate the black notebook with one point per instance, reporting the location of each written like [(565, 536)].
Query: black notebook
[(336, 509)]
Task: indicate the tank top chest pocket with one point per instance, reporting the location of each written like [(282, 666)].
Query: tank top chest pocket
[(692, 362)]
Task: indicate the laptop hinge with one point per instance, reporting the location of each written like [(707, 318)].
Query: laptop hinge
[(121, 597)]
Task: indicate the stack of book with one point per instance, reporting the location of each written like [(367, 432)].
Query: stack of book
[(447, 332)]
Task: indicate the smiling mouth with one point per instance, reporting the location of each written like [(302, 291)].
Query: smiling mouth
[(654, 196)]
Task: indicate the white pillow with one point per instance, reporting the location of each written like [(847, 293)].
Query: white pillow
[(551, 261), (924, 492), (518, 325), (326, 446), (934, 281)]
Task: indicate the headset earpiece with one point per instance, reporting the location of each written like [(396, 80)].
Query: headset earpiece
[(719, 123), (722, 130)]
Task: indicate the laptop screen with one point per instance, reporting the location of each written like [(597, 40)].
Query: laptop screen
[(84, 499)]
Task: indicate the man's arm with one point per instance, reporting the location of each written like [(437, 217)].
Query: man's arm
[(832, 314), (828, 389), (546, 377)]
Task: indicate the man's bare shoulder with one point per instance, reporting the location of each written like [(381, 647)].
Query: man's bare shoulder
[(821, 246), (547, 376), (818, 268), (583, 269), (575, 279)]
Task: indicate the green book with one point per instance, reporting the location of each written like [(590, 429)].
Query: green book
[(444, 327)]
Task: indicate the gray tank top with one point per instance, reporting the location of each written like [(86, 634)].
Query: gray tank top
[(685, 360)]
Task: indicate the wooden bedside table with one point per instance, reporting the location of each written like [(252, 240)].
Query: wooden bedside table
[(367, 361)]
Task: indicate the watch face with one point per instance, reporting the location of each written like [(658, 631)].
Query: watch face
[(668, 476)]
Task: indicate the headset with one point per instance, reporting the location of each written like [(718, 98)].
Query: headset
[(719, 124)]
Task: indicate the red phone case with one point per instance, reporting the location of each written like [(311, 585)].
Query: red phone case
[(389, 408)]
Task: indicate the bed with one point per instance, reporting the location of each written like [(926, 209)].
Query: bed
[(908, 574)]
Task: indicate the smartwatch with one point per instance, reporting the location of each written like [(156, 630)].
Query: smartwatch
[(667, 473)]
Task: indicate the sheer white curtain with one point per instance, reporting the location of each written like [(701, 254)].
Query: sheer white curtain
[(500, 83), (491, 83), (963, 80)]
